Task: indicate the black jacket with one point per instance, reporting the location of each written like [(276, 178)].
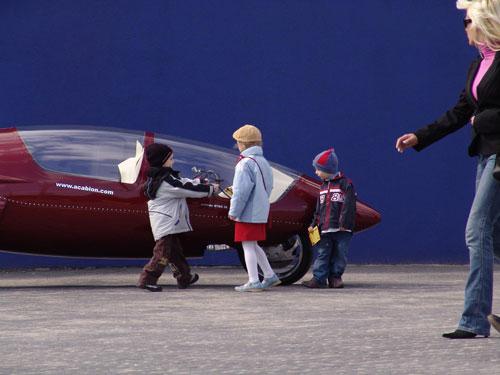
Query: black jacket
[(336, 205), (486, 128)]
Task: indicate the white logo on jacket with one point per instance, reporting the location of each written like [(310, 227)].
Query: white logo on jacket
[(337, 195)]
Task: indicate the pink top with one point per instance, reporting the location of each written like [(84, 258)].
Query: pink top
[(488, 57)]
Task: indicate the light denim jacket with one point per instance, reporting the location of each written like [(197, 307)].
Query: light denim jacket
[(251, 188)]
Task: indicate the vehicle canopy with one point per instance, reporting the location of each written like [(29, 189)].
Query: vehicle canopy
[(117, 155)]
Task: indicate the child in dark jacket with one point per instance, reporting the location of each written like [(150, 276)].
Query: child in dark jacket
[(334, 216), (169, 216)]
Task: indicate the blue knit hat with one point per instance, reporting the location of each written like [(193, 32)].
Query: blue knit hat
[(327, 162)]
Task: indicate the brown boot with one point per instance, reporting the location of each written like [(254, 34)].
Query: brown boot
[(335, 282), (313, 283)]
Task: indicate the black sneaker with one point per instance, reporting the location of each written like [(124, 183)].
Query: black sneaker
[(151, 287), (194, 278)]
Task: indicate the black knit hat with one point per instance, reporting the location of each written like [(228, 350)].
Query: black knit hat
[(157, 154)]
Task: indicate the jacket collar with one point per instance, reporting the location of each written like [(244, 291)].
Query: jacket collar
[(162, 172), (472, 74), (252, 151), (338, 176)]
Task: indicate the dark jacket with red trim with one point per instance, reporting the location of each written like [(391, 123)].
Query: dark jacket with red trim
[(336, 205)]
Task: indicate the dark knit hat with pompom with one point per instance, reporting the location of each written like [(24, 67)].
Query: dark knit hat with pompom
[(157, 154), (327, 162)]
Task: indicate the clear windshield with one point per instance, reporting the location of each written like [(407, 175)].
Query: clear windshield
[(104, 154), (191, 156), (116, 155)]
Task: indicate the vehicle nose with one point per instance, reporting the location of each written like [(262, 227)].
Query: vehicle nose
[(366, 217)]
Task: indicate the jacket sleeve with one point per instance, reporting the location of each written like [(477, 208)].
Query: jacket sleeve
[(243, 185), (348, 212), (186, 188), (450, 122)]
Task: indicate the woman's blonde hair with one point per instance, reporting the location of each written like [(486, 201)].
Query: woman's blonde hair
[(485, 26)]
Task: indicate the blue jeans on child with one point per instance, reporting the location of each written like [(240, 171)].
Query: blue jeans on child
[(482, 237), (332, 255)]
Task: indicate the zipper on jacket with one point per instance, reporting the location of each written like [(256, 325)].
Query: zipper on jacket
[(161, 213), (326, 220)]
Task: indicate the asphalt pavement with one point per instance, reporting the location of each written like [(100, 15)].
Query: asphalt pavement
[(388, 320)]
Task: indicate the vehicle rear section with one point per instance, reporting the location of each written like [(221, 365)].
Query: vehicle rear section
[(45, 212)]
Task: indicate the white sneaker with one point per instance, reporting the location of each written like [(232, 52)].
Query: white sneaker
[(272, 281), (250, 287)]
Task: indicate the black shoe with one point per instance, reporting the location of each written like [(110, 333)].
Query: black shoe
[(194, 278), (494, 321), (151, 287), (459, 334)]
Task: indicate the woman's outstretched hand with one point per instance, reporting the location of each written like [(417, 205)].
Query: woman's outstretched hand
[(406, 141)]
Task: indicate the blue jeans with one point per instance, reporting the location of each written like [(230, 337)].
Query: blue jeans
[(332, 255), (482, 237)]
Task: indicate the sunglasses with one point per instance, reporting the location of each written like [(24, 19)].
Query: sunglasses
[(467, 22)]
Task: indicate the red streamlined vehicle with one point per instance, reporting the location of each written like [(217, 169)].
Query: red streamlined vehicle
[(77, 191)]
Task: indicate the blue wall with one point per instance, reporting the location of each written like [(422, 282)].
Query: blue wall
[(312, 74)]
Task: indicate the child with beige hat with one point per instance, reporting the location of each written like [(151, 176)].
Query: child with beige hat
[(249, 208)]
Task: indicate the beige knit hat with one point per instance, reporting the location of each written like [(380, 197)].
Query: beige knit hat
[(247, 134)]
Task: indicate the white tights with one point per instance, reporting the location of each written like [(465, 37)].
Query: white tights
[(254, 255)]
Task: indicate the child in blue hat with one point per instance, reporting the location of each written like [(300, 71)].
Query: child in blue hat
[(334, 216)]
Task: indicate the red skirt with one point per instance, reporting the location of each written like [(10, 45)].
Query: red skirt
[(249, 231)]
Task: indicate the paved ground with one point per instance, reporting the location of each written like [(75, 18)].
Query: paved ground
[(388, 320)]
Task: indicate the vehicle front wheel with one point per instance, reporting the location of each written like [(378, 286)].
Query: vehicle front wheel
[(290, 259)]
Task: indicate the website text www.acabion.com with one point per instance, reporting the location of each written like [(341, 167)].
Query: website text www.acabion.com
[(84, 188)]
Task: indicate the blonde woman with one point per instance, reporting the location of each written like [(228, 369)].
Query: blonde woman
[(479, 105)]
